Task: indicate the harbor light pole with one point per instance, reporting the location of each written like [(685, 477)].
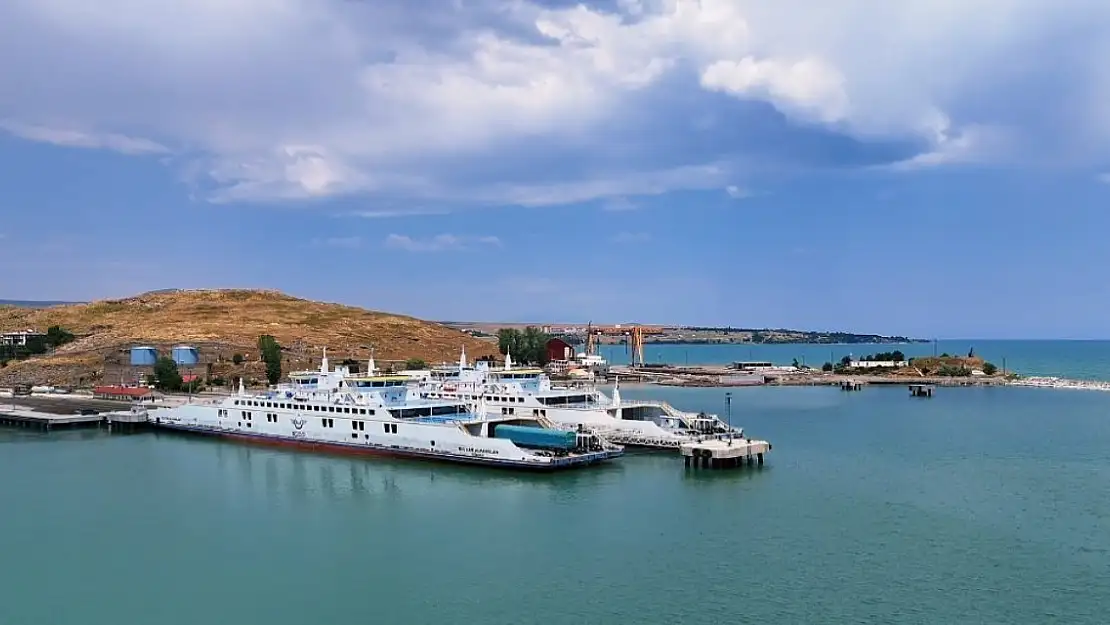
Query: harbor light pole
[(728, 415)]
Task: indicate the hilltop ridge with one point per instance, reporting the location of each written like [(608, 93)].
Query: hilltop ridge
[(222, 323)]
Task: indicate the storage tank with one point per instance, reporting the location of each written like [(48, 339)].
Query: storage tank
[(143, 356), (543, 438), (185, 355)]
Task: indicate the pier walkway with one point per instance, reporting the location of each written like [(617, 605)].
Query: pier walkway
[(14, 415), (724, 453)]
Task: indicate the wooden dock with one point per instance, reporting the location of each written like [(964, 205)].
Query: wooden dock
[(724, 453)]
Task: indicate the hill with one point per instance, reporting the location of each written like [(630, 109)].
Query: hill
[(221, 324)]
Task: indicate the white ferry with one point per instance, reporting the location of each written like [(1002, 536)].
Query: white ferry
[(376, 414), (528, 392)]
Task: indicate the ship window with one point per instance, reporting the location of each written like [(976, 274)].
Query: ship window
[(354, 434), (371, 411), (433, 443), (354, 425), (361, 425), (394, 427), (236, 402), (385, 426)]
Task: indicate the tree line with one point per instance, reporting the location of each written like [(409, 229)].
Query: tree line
[(528, 346), (55, 337)]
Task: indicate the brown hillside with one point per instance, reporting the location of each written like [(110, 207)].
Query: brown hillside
[(222, 323)]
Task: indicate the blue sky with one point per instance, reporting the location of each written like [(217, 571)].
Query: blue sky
[(927, 167)]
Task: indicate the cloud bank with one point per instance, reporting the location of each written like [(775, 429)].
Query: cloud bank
[(537, 104)]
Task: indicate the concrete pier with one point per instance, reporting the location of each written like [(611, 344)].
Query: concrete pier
[(21, 417), (921, 390), (851, 385), (724, 454)]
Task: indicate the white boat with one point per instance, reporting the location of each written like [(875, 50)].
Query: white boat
[(528, 392), (375, 414)]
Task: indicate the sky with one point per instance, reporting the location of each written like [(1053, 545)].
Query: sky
[(925, 168)]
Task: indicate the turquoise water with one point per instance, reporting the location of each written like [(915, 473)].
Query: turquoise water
[(987, 505), (1083, 360)]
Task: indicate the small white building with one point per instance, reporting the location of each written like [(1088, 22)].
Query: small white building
[(877, 364), (19, 338)]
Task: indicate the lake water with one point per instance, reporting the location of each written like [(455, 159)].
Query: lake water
[(981, 505), (1083, 360)]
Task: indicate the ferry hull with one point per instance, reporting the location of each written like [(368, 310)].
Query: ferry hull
[(558, 464)]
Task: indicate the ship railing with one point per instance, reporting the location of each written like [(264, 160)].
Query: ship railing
[(666, 407)]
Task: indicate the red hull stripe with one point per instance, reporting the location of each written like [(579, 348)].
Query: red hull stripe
[(395, 452)]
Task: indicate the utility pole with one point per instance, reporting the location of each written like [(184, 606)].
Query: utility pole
[(728, 415)]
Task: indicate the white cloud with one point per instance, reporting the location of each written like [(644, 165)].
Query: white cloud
[(291, 99), (809, 89), (737, 193), (78, 139), (339, 242), (388, 214), (631, 237), (615, 187), (620, 204), (440, 243)]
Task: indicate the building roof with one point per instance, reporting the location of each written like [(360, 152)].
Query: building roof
[(189, 377), (123, 391)]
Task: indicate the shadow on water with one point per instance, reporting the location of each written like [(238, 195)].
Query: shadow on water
[(718, 476), (309, 474)]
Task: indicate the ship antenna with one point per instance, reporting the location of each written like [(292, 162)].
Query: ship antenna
[(324, 362)]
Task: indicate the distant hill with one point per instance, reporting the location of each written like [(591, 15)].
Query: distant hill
[(222, 323), (32, 303)]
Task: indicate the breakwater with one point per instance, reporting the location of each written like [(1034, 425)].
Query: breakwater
[(1062, 383)]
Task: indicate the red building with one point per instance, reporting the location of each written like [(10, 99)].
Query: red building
[(124, 392), (558, 349)]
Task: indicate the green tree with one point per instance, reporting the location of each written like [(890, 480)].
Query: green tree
[(827, 367), (58, 336), (271, 355), (237, 359), (166, 375), (527, 346), (415, 363), (989, 368)]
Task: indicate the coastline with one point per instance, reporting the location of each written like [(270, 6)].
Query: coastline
[(714, 376)]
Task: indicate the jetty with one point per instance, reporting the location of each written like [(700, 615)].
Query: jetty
[(921, 390), (724, 453), (13, 415)]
